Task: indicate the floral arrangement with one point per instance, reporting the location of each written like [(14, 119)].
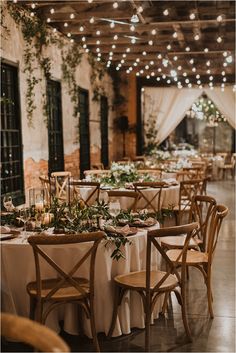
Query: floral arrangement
[(120, 174), (160, 155), (180, 164)]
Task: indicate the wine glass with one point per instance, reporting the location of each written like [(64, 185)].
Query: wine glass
[(114, 208), (24, 216), (7, 203)]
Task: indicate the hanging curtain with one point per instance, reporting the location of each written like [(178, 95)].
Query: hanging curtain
[(225, 102), (168, 106)]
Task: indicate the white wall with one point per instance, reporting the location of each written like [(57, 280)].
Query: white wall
[(35, 140)]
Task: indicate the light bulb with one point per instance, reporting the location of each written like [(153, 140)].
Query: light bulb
[(72, 16), (166, 12), (192, 16), (115, 5), (153, 32), (175, 35), (91, 20), (219, 39)]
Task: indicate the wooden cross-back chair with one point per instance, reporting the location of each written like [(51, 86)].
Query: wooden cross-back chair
[(98, 166), (47, 188), (61, 184), (65, 286), (202, 209), (203, 260), (155, 173), (150, 284), (188, 190), (152, 203), (120, 194), (91, 188), (32, 333)]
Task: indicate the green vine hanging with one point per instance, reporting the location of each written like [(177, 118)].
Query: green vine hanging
[(97, 73), (35, 34), (71, 58)]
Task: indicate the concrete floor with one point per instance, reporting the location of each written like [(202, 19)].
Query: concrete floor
[(167, 334)]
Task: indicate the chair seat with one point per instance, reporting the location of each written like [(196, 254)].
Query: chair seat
[(137, 280), (193, 257), (178, 242), (66, 292)]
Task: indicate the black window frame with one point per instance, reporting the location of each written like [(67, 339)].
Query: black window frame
[(84, 132), (11, 135), (104, 114), (55, 127)]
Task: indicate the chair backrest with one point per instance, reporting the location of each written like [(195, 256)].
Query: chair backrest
[(32, 333), (152, 239), (47, 187), (220, 213), (202, 209), (155, 173), (88, 191), (61, 184), (187, 191), (123, 196), (66, 277), (98, 166), (96, 172), (152, 203)]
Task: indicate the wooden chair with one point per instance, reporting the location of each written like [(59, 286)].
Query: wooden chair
[(61, 184), (228, 167), (96, 172), (151, 284), (134, 196), (153, 203), (48, 190), (202, 208), (92, 193), (155, 173), (32, 333), (98, 166), (188, 190), (64, 287), (203, 260)]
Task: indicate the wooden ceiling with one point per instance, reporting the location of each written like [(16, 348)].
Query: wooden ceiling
[(194, 40)]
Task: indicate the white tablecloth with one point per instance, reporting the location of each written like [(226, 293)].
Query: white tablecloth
[(18, 269), (169, 197)]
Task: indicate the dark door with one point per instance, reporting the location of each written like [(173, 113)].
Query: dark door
[(84, 130), (55, 131), (104, 131), (12, 182)]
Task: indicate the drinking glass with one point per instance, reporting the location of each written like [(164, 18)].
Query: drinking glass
[(24, 216), (7, 203), (114, 208)]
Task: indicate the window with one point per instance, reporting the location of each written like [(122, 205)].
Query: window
[(55, 132), (84, 130), (12, 181), (104, 131)]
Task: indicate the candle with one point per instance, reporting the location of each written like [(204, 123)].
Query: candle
[(47, 218), (39, 206)]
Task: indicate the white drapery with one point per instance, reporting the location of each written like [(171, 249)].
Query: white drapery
[(225, 102), (168, 106)]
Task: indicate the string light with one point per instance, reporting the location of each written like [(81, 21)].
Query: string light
[(52, 11), (166, 12), (229, 59), (153, 32), (91, 20), (115, 5), (175, 35), (225, 53), (115, 37), (133, 40), (112, 24), (32, 14), (33, 6), (159, 56), (98, 33), (191, 61), (208, 63), (192, 16), (72, 16), (49, 20), (197, 37), (65, 24), (90, 1), (144, 53), (179, 67), (206, 50), (150, 42), (219, 18), (219, 39), (113, 46), (168, 47), (132, 28), (140, 9), (128, 50), (223, 73), (81, 28), (175, 58), (187, 49)]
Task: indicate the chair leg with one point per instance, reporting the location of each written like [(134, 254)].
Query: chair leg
[(93, 327), (182, 301), (209, 295), (119, 292), (32, 308), (165, 303), (147, 328)]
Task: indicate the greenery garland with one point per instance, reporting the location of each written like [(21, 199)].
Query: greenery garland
[(97, 73), (71, 58), (35, 34)]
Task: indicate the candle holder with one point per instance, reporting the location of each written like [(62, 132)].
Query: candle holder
[(37, 199)]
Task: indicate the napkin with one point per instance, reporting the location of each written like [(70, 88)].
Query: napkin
[(121, 230), (48, 231), (5, 230)]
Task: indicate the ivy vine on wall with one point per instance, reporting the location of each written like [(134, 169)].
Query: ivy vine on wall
[(97, 73), (35, 34), (71, 58)]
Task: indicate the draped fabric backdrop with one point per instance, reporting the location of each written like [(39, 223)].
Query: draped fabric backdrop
[(168, 106)]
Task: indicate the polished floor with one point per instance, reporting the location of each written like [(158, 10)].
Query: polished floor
[(167, 334)]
